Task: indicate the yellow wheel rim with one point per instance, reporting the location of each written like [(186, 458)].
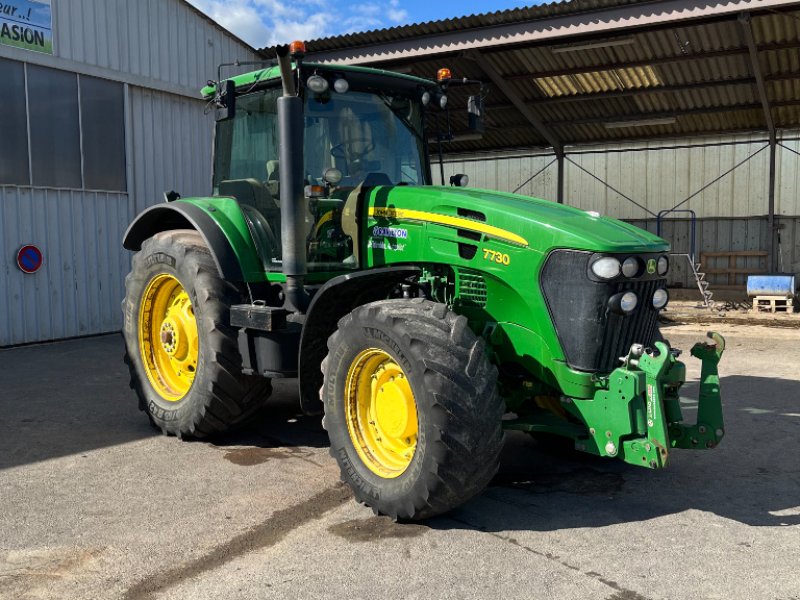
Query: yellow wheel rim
[(168, 337), (381, 413)]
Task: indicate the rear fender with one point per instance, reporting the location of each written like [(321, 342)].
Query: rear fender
[(218, 220)]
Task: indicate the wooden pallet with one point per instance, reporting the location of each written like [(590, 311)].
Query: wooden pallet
[(772, 304)]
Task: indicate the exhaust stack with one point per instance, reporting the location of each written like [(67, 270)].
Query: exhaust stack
[(290, 155)]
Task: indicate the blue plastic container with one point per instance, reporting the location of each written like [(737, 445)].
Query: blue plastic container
[(771, 285)]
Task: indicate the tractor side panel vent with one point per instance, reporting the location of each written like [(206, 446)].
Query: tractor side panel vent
[(467, 251), (472, 214), (470, 235), (472, 289)]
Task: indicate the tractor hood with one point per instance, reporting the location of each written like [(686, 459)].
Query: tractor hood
[(543, 224)]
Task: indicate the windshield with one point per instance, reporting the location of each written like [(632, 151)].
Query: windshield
[(372, 138)]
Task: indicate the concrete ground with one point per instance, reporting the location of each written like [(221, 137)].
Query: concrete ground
[(93, 504)]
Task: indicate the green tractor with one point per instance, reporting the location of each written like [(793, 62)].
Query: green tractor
[(421, 320)]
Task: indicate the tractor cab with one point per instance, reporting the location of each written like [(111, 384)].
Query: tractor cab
[(359, 130)]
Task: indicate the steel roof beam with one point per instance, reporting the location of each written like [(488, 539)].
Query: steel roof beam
[(574, 145), (668, 114), (646, 116), (603, 95), (755, 65), (519, 103), (631, 16), (661, 60)]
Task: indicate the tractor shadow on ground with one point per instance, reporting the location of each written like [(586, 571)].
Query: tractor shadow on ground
[(72, 397), (66, 398), (279, 425), (752, 477)]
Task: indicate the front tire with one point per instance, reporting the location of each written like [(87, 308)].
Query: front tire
[(182, 354), (411, 408)]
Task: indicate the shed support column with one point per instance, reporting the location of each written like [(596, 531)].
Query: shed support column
[(560, 189), (771, 229), (755, 65)]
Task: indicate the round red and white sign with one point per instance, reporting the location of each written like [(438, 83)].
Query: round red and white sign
[(29, 259)]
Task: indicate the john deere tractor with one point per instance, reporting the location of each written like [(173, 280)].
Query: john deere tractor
[(422, 321)]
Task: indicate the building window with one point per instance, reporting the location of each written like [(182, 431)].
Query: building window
[(76, 125), (103, 125), (14, 148), (54, 125)]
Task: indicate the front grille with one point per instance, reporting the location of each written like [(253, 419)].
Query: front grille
[(592, 337)]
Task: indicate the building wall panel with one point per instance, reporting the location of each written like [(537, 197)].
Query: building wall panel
[(78, 290), (787, 200), (163, 40), (172, 140), (727, 234), (655, 176)]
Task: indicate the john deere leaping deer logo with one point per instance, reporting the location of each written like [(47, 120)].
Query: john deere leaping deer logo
[(651, 266)]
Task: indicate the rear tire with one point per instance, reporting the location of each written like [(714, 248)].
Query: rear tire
[(211, 394), (458, 410)]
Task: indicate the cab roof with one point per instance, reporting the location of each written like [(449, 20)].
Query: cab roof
[(273, 72)]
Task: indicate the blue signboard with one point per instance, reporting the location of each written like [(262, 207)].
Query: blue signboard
[(27, 24)]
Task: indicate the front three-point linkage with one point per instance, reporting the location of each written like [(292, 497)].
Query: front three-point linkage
[(664, 375), (710, 428), (637, 416)]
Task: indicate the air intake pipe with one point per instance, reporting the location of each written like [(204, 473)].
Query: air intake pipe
[(290, 153)]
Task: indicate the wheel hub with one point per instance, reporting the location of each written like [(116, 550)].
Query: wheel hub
[(381, 413), (168, 337), (394, 408)]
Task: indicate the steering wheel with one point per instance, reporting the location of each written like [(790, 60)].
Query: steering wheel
[(346, 149)]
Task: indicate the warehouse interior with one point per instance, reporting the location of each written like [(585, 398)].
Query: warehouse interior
[(680, 117)]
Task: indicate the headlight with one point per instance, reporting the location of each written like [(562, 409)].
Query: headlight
[(623, 303), (663, 265), (426, 98), (341, 86), (631, 266), (459, 180), (442, 101), (607, 267), (660, 298), (317, 84), (628, 302)]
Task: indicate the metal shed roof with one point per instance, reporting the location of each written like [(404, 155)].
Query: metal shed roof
[(588, 71)]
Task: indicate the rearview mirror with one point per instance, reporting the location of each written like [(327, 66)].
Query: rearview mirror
[(475, 114), (225, 100)]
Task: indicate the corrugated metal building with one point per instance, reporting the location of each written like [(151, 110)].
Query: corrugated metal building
[(98, 121)]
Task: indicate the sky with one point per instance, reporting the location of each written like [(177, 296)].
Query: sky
[(263, 23)]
